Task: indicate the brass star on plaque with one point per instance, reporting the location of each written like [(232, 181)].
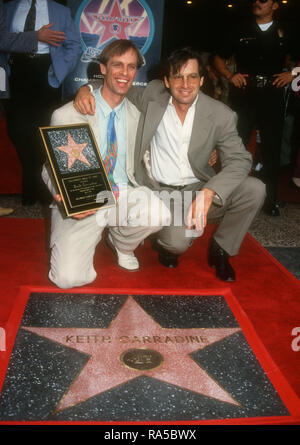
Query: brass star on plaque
[(74, 151)]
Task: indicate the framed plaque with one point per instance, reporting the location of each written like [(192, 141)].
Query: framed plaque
[(77, 167)]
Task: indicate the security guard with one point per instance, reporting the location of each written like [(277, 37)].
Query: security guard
[(260, 47)]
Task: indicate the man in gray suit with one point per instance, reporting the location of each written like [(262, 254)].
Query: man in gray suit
[(178, 130)]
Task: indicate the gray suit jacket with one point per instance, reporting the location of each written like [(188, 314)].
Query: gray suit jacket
[(214, 127), (11, 42)]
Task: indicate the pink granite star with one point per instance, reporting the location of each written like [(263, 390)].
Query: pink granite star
[(74, 151), (134, 329)]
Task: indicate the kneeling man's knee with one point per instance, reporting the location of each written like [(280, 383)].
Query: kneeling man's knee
[(66, 273), (175, 242), (67, 279)]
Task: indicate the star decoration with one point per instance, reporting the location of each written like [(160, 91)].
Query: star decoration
[(134, 331), (74, 151), (115, 23)]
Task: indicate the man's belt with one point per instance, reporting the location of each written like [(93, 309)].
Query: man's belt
[(173, 187), (260, 81), (28, 56)]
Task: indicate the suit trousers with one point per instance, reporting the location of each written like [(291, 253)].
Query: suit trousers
[(262, 109), (31, 104), (138, 214), (235, 217)]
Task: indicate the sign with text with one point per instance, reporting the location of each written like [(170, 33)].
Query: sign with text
[(77, 167), (99, 22)]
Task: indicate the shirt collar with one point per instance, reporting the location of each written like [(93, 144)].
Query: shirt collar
[(37, 2), (106, 109)]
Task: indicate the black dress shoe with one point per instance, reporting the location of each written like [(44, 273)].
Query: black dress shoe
[(168, 260), (28, 201), (218, 258), (165, 258), (271, 209)]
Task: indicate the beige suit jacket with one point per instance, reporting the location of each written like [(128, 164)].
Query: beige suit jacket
[(68, 115)]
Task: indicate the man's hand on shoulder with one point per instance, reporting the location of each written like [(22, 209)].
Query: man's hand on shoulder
[(84, 101)]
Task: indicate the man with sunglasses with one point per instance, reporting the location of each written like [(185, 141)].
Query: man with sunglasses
[(260, 47)]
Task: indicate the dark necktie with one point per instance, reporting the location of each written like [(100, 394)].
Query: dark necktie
[(30, 19)]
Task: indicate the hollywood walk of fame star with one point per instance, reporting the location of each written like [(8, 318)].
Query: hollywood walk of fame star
[(74, 151), (115, 23), (134, 329)]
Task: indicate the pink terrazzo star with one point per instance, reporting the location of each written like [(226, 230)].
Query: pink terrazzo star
[(74, 151), (133, 328)]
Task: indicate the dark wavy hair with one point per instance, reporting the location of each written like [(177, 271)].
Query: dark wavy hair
[(118, 48), (179, 57)]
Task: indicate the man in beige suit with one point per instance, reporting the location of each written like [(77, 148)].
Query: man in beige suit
[(73, 240), (178, 130)]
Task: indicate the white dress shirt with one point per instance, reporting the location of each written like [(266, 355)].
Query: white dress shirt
[(169, 148), (42, 18), (265, 26)]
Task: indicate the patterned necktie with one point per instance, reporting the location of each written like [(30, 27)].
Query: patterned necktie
[(111, 153), (30, 19)]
